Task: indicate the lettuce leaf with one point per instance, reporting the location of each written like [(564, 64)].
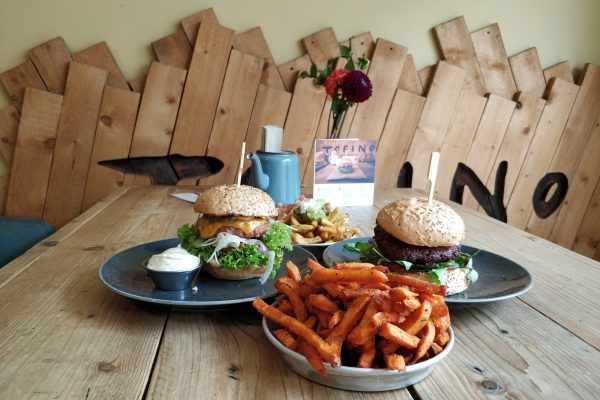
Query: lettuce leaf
[(277, 238)]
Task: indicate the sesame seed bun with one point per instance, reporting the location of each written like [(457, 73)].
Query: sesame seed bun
[(233, 274), (233, 200), (414, 221)]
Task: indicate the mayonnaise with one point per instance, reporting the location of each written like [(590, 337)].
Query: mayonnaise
[(174, 260)]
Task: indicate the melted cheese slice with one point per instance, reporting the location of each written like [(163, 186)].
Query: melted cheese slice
[(208, 226)]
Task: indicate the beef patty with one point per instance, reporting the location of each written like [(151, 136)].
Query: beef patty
[(395, 249)]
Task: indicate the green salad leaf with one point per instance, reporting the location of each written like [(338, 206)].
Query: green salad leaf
[(277, 238)]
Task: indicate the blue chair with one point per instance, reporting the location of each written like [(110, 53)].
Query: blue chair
[(19, 234)]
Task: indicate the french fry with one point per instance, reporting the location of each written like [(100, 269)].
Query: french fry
[(367, 355), (324, 236), (442, 338), (417, 320), (334, 214), (373, 315), (398, 336), (293, 297), (352, 293), (335, 319), (354, 265), (394, 361), (286, 307), (436, 348), (293, 271), (428, 334), (400, 293), (361, 276), (298, 238), (366, 328), (297, 327), (321, 302), (312, 357), (329, 229), (293, 220), (303, 228), (286, 338), (417, 284), (326, 222), (351, 317), (311, 322), (313, 266)]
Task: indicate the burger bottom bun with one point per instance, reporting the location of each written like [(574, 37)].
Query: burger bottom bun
[(456, 279), (247, 272)]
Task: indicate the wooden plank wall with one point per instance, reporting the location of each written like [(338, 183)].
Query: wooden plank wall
[(213, 88)]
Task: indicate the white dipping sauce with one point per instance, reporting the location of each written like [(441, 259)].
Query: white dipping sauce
[(174, 259)]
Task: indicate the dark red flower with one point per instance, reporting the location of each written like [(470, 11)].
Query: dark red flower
[(357, 86), (334, 79)]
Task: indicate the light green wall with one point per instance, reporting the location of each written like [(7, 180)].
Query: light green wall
[(559, 29)]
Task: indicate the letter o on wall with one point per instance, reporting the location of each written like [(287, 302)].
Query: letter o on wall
[(544, 208)]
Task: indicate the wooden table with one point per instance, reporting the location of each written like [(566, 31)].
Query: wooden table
[(65, 335)]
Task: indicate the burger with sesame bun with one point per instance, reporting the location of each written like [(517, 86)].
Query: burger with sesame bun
[(235, 234), (423, 240)]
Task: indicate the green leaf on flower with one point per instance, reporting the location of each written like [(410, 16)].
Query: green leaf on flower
[(304, 74), (313, 71), (350, 65), (363, 62), (345, 51), (323, 75)]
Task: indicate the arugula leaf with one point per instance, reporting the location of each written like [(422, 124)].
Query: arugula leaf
[(438, 276)]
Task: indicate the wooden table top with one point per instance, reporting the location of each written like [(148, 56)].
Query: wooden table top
[(63, 334)]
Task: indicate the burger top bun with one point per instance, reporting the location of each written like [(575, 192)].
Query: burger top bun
[(413, 221), (243, 201)]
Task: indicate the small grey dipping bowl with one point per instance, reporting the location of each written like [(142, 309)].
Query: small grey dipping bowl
[(172, 280)]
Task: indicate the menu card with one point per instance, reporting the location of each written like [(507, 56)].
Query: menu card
[(344, 171)]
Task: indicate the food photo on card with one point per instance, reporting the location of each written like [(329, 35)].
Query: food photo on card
[(345, 171)]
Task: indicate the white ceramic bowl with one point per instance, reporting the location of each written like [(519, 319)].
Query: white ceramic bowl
[(359, 379)]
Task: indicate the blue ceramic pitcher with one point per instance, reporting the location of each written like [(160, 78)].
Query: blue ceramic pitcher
[(277, 174)]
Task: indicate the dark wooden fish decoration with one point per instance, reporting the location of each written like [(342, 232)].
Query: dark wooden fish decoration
[(167, 170)]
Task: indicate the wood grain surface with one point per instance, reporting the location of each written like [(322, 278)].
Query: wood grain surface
[(118, 112), (174, 50), (384, 72), (302, 120), (270, 108), (157, 114), (290, 70), (561, 70), (51, 60), (467, 115), (233, 115), (528, 73), (191, 24), (99, 55), (587, 240), (487, 140), (9, 127), (574, 139), (493, 62), (561, 97), (396, 137), (321, 47), (202, 90), (434, 121), (454, 42), (137, 84), (516, 140), (16, 79), (516, 347), (33, 154), (74, 141), (409, 78)]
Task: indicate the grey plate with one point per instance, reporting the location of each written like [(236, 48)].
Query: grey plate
[(499, 277), (124, 274)]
